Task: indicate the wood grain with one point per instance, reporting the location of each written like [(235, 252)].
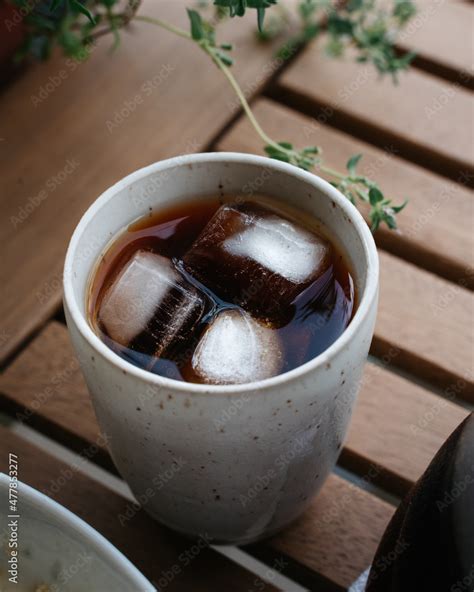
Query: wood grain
[(400, 443), (426, 325), (69, 131), (157, 552), (429, 119), (397, 427), (337, 537), (436, 226), (441, 35), (426, 320), (49, 392)]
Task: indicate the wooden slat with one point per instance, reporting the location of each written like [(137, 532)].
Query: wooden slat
[(170, 99), (325, 540), (436, 226), (430, 119), (152, 548), (425, 319), (336, 538), (45, 388), (397, 427), (441, 35), (51, 394), (401, 444), (428, 323)]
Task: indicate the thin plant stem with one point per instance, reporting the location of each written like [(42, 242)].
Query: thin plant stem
[(243, 101), (331, 171), (227, 73), (291, 154), (164, 25)]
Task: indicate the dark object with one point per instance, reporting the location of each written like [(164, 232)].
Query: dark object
[(429, 543), (12, 34)]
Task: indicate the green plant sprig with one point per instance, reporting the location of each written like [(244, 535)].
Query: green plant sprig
[(355, 187), (358, 25), (61, 23)]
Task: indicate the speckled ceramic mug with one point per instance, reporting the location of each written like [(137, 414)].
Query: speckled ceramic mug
[(230, 463)]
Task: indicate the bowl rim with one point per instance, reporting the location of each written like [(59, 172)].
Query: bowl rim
[(108, 552), (366, 300)]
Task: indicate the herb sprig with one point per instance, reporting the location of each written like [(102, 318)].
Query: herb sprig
[(356, 24)]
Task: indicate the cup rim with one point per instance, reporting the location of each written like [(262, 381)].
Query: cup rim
[(364, 306)]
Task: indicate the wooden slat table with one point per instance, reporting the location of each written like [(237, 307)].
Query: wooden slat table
[(418, 386)]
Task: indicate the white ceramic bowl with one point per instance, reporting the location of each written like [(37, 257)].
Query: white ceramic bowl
[(234, 462), (60, 550)]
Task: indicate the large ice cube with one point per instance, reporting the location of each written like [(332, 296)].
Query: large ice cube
[(150, 307), (260, 260), (235, 348)]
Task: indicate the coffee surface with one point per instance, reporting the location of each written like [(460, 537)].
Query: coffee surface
[(221, 291)]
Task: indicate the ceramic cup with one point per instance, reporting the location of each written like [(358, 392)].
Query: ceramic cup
[(231, 463)]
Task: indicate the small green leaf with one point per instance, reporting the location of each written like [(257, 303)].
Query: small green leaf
[(260, 18), (398, 209), (375, 219), (197, 31), (82, 9), (310, 31), (354, 5), (272, 152), (40, 22), (389, 220), (286, 145), (54, 4), (352, 164), (404, 10), (375, 196), (226, 59), (339, 26), (362, 195), (71, 43), (311, 150)]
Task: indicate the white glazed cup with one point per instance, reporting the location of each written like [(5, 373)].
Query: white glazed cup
[(232, 463)]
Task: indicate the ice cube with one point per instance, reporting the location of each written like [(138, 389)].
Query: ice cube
[(257, 258), (235, 348), (150, 307)]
